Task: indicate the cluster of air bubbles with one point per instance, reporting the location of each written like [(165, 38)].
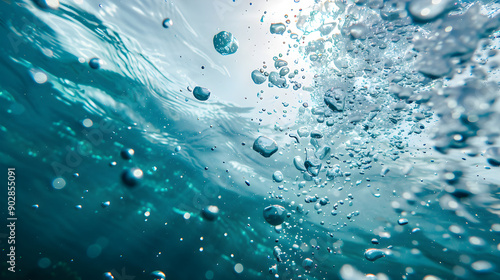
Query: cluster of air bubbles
[(384, 73)]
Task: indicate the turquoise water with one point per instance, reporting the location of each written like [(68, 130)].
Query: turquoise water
[(309, 140)]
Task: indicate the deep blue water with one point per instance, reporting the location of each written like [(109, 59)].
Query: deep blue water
[(384, 115)]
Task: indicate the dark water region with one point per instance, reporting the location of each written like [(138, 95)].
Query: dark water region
[(224, 139)]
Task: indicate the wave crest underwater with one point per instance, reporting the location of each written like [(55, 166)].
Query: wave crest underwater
[(240, 140)]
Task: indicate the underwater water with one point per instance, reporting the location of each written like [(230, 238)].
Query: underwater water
[(231, 139)]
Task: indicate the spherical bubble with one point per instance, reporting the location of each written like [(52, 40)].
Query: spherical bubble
[(16, 109), (349, 272), (428, 10), (95, 63), (278, 176), (277, 28), (265, 146), (58, 183), (105, 204), (374, 254), (482, 266), (284, 71), (210, 213), (307, 264), (44, 262), (94, 250), (477, 241), (275, 214), (402, 222), (167, 23), (238, 268), (201, 93), (280, 63), (257, 77), (209, 275), (158, 275), (127, 154), (87, 123), (132, 177), (225, 43), (39, 76)]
